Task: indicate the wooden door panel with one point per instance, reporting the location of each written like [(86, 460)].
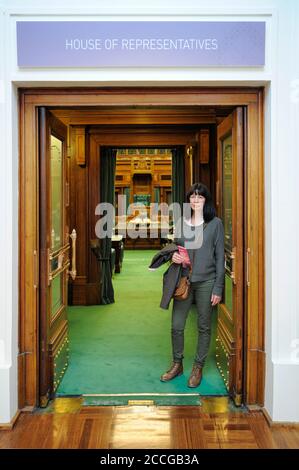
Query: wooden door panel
[(230, 209), (55, 248)]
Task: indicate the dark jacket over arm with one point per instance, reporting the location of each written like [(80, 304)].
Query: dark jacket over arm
[(172, 275), (171, 278)]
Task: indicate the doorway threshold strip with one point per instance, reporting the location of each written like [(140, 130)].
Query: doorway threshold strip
[(135, 394), (175, 399)]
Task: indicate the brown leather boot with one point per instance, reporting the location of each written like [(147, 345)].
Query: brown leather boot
[(175, 370), (195, 377)]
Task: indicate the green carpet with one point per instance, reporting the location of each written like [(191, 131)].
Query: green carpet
[(123, 348)]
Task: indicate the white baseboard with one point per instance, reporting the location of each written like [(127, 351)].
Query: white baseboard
[(281, 401), (8, 394)]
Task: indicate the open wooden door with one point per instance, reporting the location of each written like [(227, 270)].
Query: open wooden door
[(229, 201), (55, 248)]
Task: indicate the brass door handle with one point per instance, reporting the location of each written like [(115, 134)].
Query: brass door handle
[(73, 271), (247, 267), (35, 276), (191, 164), (62, 262), (233, 272), (217, 193)]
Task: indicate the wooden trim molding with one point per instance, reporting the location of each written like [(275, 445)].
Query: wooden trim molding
[(255, 261), (146, 98), (80, 148)]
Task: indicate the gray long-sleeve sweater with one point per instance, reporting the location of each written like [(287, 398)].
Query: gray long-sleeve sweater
[(208, 260)]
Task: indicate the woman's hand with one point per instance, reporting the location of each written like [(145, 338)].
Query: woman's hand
[(177, 258), (215, 299)]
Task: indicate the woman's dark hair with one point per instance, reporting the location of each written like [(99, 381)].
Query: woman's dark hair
[(209, 211)]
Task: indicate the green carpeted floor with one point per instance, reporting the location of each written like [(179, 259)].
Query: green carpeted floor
[(123, 348)]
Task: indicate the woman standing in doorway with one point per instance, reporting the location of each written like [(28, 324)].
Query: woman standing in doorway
[(207, 279)]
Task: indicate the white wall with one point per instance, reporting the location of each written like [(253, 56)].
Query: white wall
[(282, 332), (8, 240), (281, 162)]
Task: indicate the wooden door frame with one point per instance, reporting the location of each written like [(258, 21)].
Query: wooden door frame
[(254, 234)]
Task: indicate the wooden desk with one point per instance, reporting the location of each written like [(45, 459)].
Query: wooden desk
[(137, 225)]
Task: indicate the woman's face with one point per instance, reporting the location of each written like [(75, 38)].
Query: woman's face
[(197, 201)]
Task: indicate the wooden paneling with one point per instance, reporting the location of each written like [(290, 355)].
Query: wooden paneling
[(29, 253), (204, 145), (140, 116), (79, 132), (154, 96), (205, 168), (93, 274), (213, 162), (152, 164), (254, 318), (79, 216)]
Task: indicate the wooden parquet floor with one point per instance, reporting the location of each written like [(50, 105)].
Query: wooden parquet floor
[(214, 425)]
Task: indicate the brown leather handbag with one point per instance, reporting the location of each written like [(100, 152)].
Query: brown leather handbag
[(182, 291)]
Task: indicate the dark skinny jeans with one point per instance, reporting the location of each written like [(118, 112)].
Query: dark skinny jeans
[(202, 291)]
